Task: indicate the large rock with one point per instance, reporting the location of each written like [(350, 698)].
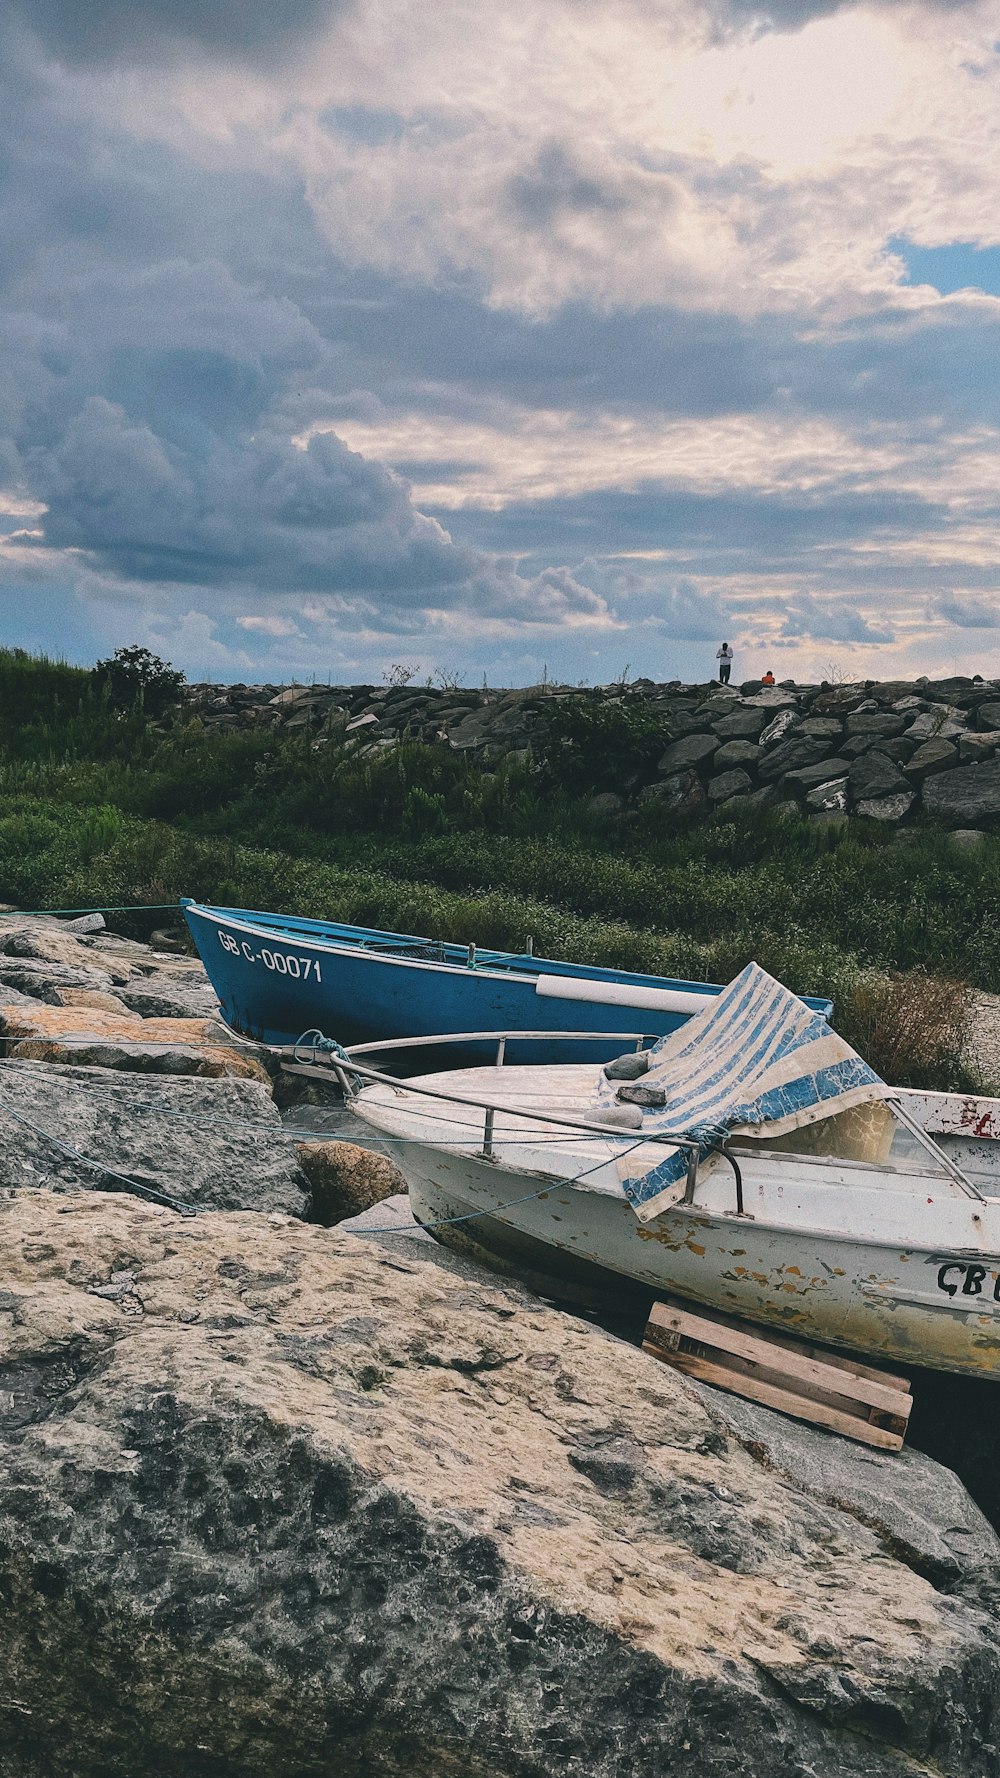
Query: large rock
[(212, 1144), (887, 808), (345, 1180), (276, 1503), (807, 777), (680, 796), (688, 753), (727, 785), (791, 755), (966, 797), (875, 722), (736, 754), (87, 1035), (875, 775), (932, 756), (743, 725), (941, 722)]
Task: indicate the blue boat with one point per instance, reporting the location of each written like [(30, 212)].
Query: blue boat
[(278, 977)]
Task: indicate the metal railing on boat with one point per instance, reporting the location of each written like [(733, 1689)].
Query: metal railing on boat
[(341, 1064)]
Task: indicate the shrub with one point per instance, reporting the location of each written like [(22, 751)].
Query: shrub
[(132, 678), (913, 1029)]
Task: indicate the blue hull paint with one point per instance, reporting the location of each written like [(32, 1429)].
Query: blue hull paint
[(277, 977)]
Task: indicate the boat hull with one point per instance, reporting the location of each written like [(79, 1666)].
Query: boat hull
[(910, 1306), (277, 981)]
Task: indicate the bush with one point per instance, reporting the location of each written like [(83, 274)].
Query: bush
[(134, 679), (912, 1029), (594, 744)]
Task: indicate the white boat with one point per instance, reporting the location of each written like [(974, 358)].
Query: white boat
[(823, 1202)]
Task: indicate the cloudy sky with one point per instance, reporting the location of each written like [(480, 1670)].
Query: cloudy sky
[(573, 335)]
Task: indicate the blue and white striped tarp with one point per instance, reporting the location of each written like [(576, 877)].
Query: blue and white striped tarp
[(756, 1056)]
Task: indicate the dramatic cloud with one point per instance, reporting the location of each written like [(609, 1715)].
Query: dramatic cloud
[(100, 31), (546, 339)]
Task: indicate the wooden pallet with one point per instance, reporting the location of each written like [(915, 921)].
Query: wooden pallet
[(781, 1372)]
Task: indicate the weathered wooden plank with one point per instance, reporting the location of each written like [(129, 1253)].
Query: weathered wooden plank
[(771, 1396), (778, 1336), (755, 1348)]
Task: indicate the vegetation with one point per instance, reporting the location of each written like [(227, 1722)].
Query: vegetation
[(100, 805)]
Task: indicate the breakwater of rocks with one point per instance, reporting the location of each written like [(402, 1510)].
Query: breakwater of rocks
[(887, 751)]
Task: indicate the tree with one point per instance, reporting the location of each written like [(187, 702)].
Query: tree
[(134, 678)]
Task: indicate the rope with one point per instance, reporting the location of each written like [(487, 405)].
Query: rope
[(443, 1222), (135, 907), (106, 1172)]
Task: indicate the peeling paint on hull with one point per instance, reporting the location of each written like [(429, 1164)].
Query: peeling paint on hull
[(863, 1296)]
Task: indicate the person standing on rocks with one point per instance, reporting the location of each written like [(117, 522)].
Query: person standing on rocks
[(724, 656)]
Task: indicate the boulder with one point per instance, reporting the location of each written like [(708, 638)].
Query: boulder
[(345, 1180), (278, 1503), (44, 941), (875, 775), (779, 727), (969, 796), (807, 777), (791, 756), (744, 754), (680, 796), (687, 754), (829, 798), (728, 785), (122, 1039), (978, 746), (48, 981), (214, 1144), (988, 715), (941, 722), (887, 808), (743, 725), (875, 722), (826, 726)]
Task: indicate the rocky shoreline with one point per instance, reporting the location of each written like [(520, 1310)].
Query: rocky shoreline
[(884, 751), (281, 1498)]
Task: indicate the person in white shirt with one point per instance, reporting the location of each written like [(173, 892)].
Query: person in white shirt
[(724, 656)]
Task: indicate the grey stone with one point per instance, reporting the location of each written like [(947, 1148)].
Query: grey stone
[(875, 723), (774, 697), (932, 756), (977, 747), (288, 1502), (941, 722), (214, 1144), (642, 1095), (736, 753), (345, 1180), (875, 775), (729, 784), (807, 777), (606, 802), (791, 756), (777, 729), (887, 808), (826, 726), (681, 796), (897, 747), (743, 725), (920, 1509), (829, 798), (966, 797), (688, 753), (43, 981), (630, 1067), (969, 838), (989, 715), (162, 995)]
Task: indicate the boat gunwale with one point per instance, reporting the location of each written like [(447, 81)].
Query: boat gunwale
[(521, 968)]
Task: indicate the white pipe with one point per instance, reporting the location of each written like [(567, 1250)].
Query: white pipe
[(573, 987)]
